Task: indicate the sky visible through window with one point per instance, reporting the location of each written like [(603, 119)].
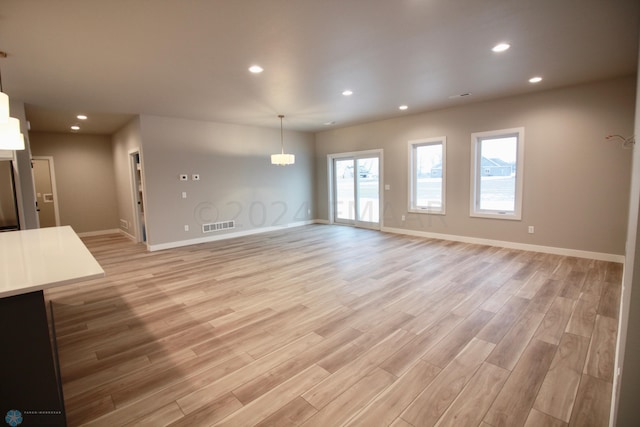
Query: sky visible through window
[(500, 148)]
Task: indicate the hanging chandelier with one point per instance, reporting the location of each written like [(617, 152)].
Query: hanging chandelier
[(10, 136), (282, 159)]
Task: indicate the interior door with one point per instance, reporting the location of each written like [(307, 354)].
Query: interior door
[(44, 192), (356, 190)]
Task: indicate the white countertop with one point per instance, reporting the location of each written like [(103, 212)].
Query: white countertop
[(34, 260)]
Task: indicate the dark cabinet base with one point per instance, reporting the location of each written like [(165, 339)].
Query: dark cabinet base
[(30, 391)]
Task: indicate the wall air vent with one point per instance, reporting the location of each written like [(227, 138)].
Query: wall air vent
[(218, 226)]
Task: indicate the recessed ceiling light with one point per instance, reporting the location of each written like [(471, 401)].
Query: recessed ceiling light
[(403, 107), (75, 127), (347, 92), (536, 79), (256, 69), (81, 117), (501, 47)]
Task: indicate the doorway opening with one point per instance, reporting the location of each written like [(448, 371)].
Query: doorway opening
[(138, 196), (44, 178)]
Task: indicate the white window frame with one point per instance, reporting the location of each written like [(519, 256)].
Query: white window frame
[(413, 174), (476, 139)]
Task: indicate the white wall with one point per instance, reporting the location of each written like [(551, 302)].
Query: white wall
[(576, 184), (237, 180), (626, 387)]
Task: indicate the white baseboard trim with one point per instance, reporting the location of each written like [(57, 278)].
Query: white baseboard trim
[(181, 243), (510, 245), (452, 237), (128, 235), (99, 232)]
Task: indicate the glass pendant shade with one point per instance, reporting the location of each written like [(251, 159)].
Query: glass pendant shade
[(4, 107), (10, 136), (283, 159)]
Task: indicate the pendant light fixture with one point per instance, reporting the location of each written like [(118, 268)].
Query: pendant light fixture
[(282, 159), (10, 136), (4, 107), (4, 99)]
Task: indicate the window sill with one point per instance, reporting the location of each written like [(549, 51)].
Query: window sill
[(495, 215), (426, 211)]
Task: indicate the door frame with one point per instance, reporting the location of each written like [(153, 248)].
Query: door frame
[(54, 189), (331, 187), (137, 223)]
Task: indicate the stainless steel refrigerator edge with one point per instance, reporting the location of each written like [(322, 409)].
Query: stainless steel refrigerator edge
[(8, 203)]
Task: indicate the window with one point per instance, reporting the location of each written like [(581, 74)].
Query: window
[(497, 169), (427, 175)]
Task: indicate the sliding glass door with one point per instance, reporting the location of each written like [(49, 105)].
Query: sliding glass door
[(356, 190)]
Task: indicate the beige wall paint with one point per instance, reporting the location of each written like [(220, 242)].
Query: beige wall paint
[(237, 180), (84, 177), (576, 184), (124, 141)]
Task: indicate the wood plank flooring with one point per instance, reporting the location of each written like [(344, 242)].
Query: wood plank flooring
[(331, 326)]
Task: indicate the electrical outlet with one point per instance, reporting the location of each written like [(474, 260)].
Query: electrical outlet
[(184, 177), (186, 228), (184, 194), (403, 217), (531, 229)]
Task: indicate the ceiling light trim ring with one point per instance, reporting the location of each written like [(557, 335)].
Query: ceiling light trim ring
[(501, 47)]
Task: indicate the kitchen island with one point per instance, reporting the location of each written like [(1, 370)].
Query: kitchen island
[(30, 262)]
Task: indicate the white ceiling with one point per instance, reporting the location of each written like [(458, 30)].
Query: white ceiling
[(189, 58)]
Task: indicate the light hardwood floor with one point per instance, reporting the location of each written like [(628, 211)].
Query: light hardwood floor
[(328, 326)]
